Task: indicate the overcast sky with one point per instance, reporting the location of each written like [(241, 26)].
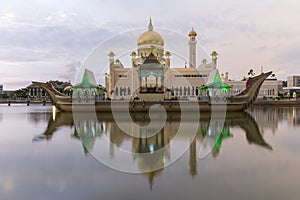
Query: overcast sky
[(48, 39)]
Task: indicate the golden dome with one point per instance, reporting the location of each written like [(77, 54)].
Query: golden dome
[(167, 53), (192, 33), (150, 37), (214, 53)]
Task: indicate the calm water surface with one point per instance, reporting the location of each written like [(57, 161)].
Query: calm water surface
[(256, 157)]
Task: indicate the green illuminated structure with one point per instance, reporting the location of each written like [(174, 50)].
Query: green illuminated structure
[(88, 87), (214, 86), (204, 130)]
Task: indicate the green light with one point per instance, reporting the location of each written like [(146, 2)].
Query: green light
[(224, 134), (85, 79), (218, 143), (218, 78)]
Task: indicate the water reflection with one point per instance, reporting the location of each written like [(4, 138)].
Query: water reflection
[(240, 166), (268, 118), (38, 117), (93, 131)]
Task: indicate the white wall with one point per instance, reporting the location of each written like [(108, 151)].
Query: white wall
[(268, 89)]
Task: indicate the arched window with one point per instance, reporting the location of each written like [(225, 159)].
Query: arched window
[(86, 92), (117, 91), (176, 91), (79, 92), (128, 91)]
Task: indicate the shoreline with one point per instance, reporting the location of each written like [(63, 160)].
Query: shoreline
[(28, 102), (291, 102)]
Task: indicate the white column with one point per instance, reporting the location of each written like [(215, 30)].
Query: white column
[(192, 48)]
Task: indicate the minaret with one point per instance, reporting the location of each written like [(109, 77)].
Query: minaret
[(192, 44), (167, 55), (111, 56), (111, 75), (214, 57), (133, 58)]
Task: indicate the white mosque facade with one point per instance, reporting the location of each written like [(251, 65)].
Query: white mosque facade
[(151, 76)]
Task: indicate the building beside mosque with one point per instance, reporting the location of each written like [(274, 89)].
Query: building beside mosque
[(293, 81), (151, 77), (270, 88), (1, 89), (293, 86)]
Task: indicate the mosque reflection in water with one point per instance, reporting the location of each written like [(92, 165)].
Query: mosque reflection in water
[(90, 130)]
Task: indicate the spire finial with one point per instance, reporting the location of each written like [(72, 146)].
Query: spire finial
[(150, 26)]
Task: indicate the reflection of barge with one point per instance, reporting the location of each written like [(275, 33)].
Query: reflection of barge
[(233, 119), (237, 102), (92, 128)]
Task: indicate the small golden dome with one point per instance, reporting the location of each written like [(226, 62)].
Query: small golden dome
[(133, 53), (150, 37), (111, 54), (192, 33), (214, 53)]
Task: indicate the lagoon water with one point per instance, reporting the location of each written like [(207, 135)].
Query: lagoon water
[(42, 156)]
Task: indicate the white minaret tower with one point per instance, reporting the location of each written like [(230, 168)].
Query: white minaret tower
[(214, 57), (192, 44)]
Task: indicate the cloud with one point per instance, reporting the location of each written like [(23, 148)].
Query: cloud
[(246, 33), (70, 71), (288, 59), (290, 54)]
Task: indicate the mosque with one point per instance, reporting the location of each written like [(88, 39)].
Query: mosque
[(151, 75)]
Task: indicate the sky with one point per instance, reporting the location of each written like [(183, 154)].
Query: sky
[(45, 40)]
